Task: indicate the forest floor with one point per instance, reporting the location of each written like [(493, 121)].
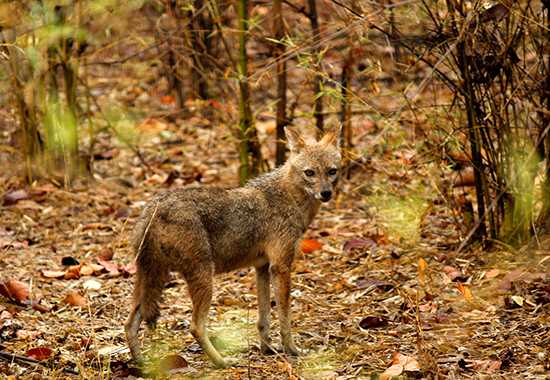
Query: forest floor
[(386, 290)]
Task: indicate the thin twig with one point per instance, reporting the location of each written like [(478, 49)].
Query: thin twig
[(9, 356)]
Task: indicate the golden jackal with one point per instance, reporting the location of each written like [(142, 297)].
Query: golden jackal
[(199, 232)]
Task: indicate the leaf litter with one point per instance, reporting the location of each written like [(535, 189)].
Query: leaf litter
[(378, 288)]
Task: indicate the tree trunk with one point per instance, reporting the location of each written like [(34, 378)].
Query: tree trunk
[(318, 80), (173, 73), (345, 112), (200, 29), (475, 143), (249, 149), (279, 50)]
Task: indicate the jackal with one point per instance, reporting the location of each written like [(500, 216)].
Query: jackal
[(200, 232)]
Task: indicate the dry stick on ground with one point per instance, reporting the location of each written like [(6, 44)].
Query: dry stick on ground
[(8, 356)]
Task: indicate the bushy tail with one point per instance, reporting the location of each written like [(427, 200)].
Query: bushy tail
[(150, 282), (151, 276), (141, 229)]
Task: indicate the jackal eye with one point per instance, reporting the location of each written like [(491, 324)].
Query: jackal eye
[(309, 172), (332, 171)]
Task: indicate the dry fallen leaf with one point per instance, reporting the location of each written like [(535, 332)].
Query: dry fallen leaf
[(15, 196), (86, 270), (110, 267), (422, 266), (373, 322), (173, 364), (72, 273), (28, 334), (400, 363), (451, 272), (466, 292), (15, 290), (39, 353), (53, 273), (310, 245), (358, 244), (465, 177), (75, 299), (492, 273), (394, 370)]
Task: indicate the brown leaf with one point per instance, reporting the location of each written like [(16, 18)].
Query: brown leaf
[(465, 177), (172, 363), (39, 353), (495, 13), (39, 307), (86, 270), (519, 274), (310, 245), (53, 273), (15, 290), (422, 266), (167, 99), (75, 299), (466, 292), (106, 254), (109, 266), (15, 196), (452, 272), (27, 334), (373, 322), (394, 370), (408, 362), (129, 268), (492, 273), (487, 366), (72, 273), (358, 244)]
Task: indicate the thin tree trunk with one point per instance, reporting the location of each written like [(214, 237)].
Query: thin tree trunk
[(544, 145), (279, 50), (199, 30), (318, 80), (249, 150), (345, 111), (31, 143), (475, 143), (173, 74)]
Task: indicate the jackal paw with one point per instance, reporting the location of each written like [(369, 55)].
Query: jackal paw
[(226, 363), (290, 349)]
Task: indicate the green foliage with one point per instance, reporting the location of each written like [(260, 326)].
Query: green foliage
[(60, 127), (401, 216)]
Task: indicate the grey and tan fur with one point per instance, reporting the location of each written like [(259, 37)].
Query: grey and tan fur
[(200, 232)]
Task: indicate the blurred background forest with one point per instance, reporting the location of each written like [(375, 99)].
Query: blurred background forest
[(445, 108)]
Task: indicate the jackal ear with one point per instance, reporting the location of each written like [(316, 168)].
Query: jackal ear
[(294, 140), (332, 137)]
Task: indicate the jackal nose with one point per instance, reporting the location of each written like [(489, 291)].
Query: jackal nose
[(325, 195)]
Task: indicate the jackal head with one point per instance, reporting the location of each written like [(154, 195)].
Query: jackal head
[(314, 165)]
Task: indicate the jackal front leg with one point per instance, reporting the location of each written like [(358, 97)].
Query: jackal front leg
[(264, 308), (281, 278)]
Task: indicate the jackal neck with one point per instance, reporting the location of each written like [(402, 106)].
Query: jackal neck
[(286, 182)]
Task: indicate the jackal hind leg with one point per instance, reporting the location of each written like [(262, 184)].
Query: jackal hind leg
[(200, 289), (149, 284)]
